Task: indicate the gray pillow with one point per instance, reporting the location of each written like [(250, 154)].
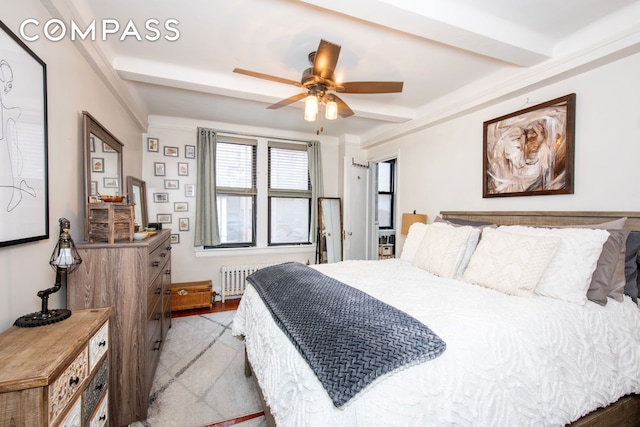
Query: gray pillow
[(456, 221), (631, 265)]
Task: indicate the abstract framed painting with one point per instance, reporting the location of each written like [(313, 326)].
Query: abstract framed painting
[(531, 151), (24, 198)]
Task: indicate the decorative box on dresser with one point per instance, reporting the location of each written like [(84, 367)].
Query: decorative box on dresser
[(56, 375), (135, 279)]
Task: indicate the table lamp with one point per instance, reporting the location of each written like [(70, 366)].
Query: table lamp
[(408, 219), (64, 260)]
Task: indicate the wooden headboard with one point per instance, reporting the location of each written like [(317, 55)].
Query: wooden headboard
[(545, 218)]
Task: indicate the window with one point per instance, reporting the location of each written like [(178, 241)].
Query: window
[(386, 173), (263, 192), (289, 194)]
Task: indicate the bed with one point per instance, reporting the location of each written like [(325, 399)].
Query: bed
[(512, 357)]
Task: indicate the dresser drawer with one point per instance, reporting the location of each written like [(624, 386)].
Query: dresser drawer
[(158, 258), (73, 417), (98, 346), (101, 417), (65, 387), (91, 395)]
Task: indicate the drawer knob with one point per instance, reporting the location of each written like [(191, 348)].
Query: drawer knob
[(102, 417), (183, 292), (158, 291), (167, 272), (99, 386), (156, 263), (102, 343), (163, 254), (73, 381)]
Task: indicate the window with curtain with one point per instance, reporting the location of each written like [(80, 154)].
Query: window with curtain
[(236, 192), (290, 198)]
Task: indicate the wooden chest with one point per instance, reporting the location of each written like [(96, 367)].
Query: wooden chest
[(188, 295), (110, 221)]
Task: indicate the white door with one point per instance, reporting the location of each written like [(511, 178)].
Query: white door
[(357, 217)]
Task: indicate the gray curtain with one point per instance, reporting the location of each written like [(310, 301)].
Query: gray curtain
[(206, 227), (317, 188)]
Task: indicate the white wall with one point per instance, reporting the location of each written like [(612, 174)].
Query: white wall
[(72, 88), (187, 264), (440, 168)]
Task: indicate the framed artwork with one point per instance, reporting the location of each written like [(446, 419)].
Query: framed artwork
[(190, 151), (175, 238), (171, 184), (92, 144), (94, 188), (24, 210), (180, 206), (161, 197), (110, 182), (97, 164), (171, 151), (153, 144), (159, 168), (163, 218), (530, 152), (183, 169), (183, 224), (190, 190), (106, 148)]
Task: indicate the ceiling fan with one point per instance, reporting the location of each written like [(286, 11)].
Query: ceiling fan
[(321, 86)]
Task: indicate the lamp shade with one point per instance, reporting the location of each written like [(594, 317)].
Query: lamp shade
[(331, 109), (310, 108), (409, 219)]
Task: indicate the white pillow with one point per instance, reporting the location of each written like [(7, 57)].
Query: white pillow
[(510, 263), (442, 249), (472, 242), (412, 242), (569, 273)]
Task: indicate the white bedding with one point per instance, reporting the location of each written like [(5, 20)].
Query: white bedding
[(509, 360)]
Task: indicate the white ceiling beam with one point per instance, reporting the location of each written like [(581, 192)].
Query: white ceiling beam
[(442, 22)]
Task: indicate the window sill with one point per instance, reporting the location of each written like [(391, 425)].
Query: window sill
[(271, 250)]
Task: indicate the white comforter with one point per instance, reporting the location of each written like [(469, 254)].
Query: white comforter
[(510, 361)]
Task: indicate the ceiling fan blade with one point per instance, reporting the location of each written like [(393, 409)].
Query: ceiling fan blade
[(266, 77), (371, 87), (326, 59), (287, 101), (343, 109)]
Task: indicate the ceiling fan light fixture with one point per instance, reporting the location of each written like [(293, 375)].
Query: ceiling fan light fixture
[(331, 109), (310, 108)]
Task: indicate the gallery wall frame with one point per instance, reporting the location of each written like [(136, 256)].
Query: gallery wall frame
[(24, 191), (531, 151)]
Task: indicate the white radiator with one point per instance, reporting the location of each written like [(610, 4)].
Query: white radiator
[(233, 278)]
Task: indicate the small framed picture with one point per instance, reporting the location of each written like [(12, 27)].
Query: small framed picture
[(171, 184), (175, 238), (106, 148), (183, 224), (153, 144), (97, 164), (94, 188), (180, 206), (164, 218), (183, 168), (110, 182), (159, 168), (189, 151), (190, 190), (171, 151), (92, 144), (161, 197)]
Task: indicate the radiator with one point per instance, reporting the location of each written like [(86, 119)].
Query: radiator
[(233, 278)]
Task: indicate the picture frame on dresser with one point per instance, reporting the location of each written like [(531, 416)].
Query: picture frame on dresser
[(24, 207)]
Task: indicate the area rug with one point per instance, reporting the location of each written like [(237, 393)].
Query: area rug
[(200, 376)]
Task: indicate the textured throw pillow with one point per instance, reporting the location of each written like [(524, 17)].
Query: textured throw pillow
[(472, 242), (631, 265), (510, 263), (412, 242), (569, 273), (442, 249)]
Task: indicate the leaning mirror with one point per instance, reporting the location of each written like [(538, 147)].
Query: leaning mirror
[(137, 195), (330, 229), (102, 161)]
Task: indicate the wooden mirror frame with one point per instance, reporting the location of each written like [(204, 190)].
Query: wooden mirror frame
[(140, 208), (324, 249)]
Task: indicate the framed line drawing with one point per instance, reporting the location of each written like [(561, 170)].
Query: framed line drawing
[(171, 184), (24, 187), (159, 168), (180, 206), (530, 152), (110, 183), (164, 218)]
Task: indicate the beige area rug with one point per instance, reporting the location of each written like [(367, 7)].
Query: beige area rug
[(200, 377)]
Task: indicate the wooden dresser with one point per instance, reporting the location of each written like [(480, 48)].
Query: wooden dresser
[(56, 375), (135, 279)]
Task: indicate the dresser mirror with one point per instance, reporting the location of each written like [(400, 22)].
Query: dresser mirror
[(137, 194), (329, 229)]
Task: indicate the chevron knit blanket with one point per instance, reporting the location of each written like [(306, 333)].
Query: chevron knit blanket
[(348, 337)]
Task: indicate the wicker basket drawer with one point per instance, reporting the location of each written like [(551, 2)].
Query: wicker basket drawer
[(188, 295)]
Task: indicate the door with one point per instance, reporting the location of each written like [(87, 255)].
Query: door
[(358, 220)]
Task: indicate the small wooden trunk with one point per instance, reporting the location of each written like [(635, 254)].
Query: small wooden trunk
[(188, 295), (110, 221)]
